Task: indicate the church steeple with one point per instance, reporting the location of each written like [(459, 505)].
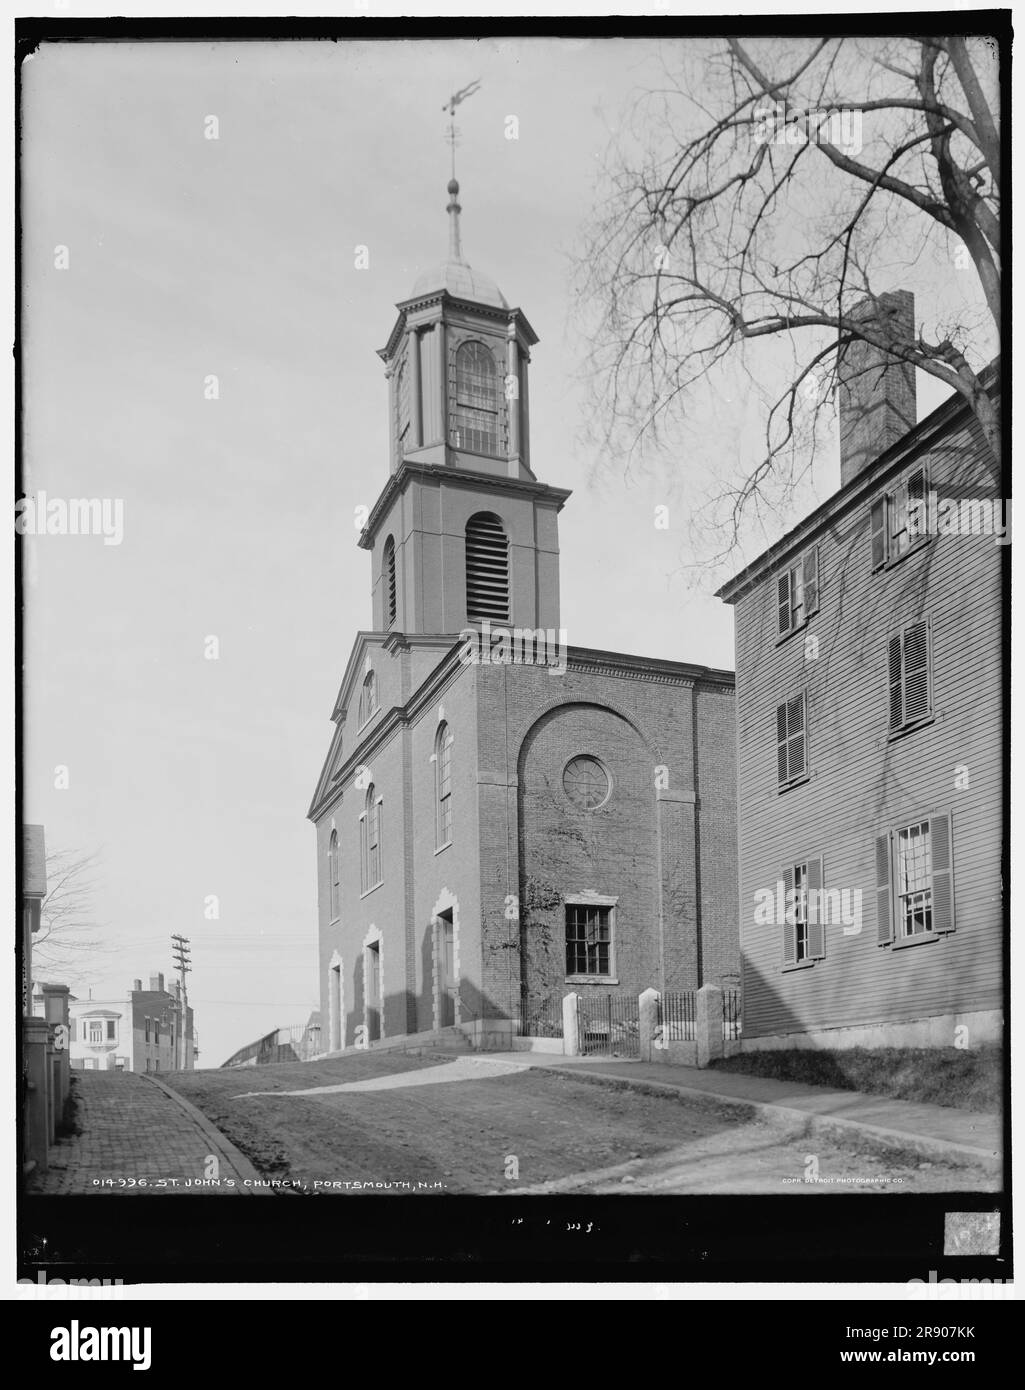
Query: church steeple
[(456, 362)]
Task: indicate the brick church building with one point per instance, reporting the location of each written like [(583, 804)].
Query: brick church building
[(501, 817)]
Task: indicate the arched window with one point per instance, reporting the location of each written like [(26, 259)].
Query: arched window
[(487, 569), (475, 421), (390, 591), (333, 875), (370, 840), (368, 698), (443, 783), (402, 413)]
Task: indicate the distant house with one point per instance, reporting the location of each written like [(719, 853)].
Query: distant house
[(871, 740), (33, 891), (139, 1031)]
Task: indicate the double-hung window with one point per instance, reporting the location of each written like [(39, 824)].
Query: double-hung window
[(914, 882), (898, 518), (797, 593)]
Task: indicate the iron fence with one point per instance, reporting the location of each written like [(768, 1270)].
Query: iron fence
[(731, 1014), (540, 1016), (677, 1016), (296, 1044), (610, 1024)]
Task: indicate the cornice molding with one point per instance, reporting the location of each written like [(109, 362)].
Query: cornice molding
[(438, 473)]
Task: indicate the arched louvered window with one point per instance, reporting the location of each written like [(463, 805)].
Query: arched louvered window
[(487, 569), (402, 412), (368, 698), (443, 783), (334, 875), (390, 590), (370, 840), (475, 422)]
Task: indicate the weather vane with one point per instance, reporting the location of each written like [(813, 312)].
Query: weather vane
[(450, 107)]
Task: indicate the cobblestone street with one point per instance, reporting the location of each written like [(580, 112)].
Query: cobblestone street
[(132, 1131)]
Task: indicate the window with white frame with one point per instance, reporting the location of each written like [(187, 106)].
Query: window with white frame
[(443, 784), (797, 593), (588, 939), (914, 881), (475, 420), (95, 1030), (334, 876), (804, 939), (370, 840), (368, 698)]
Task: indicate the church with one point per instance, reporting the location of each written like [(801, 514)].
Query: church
[(503, 818)]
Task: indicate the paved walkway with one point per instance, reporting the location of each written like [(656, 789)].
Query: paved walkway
[(937, 1129), (136, 1130)]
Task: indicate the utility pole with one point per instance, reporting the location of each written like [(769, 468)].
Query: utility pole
[(180, 950)]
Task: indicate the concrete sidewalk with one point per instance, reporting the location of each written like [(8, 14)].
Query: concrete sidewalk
[(937, 1130), (135, 1129)]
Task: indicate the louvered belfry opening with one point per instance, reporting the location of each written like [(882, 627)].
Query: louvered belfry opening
[(487, 569), (389, 574)]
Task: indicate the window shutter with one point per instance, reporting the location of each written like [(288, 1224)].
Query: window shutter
[(789, 930), (811, 581), (916, 671), (896, 683), (884, 909), (878, 529), (783, 603), (798, 740), (942, 874), (781, 744), (816, 926)]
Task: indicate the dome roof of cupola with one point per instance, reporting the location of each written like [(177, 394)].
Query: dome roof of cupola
[(454, 275)]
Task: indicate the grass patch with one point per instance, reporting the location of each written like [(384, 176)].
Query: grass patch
[(966, 1079)]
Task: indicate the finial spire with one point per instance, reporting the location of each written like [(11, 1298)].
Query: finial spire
[(455, 249)]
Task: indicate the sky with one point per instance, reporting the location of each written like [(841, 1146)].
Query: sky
[(189, 258)]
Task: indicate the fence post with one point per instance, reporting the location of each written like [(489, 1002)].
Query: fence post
[(708, 1027), (570, 1025), (647, 1006), (57, 1013), (34, 1032)]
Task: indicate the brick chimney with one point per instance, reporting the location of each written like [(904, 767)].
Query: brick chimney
[(877, 391), (157, 982), (136, 986)]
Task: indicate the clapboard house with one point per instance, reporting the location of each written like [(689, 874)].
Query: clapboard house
[(871, 738)]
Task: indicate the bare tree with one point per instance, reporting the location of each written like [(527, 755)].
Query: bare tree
[(771, 189), (69, 947)]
